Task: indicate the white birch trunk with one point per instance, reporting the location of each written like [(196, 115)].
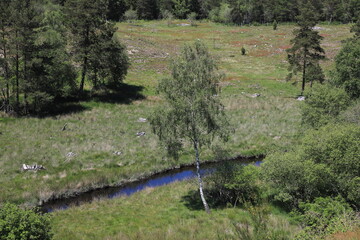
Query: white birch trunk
[(206, 206)]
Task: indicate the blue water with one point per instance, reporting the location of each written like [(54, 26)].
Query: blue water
[(130, 189)]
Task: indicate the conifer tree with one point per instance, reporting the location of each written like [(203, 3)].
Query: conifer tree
[(84, 20), (93, 43), (194, 112), (306, 50), (5, 25)]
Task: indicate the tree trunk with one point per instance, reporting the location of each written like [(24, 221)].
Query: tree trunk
[(6, 73), (304, 74), (17, 72), (83, 74), (196, 148)]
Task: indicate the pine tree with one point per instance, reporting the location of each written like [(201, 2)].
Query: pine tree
[(147, 9), (5, 26), (85, 17), (93, 43), (306, 50), (194, 112)]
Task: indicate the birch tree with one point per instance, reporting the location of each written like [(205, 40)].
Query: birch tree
[(193, 112)]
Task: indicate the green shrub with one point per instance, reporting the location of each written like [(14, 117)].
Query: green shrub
[(275, 25), (221, 14), (347, 67), (232, 184), (19, 224), (243, 51), (352, 114), (293, 179), (192, 18), (325, 164), (131, 15), (323, 104), (338, 147), (324, 216)]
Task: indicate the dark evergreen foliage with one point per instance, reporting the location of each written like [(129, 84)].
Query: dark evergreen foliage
[(306, 51), (38, 55)]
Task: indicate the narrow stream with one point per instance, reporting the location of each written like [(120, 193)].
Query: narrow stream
[(131, 188)]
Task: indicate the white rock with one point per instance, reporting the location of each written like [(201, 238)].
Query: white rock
[(70, 154), (139, 134), (301, 98), (34, 167), (142, 120)]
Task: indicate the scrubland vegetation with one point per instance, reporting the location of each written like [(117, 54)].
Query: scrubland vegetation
[(98, 129)]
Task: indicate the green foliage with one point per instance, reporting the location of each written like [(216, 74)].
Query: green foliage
[(337, 146), (306, 50), (275, 25), (347, 67), (243, 51), (224, 14), (117, 9), (34, 37), (327, 163), (324, 216), (94, 48), (181, 8), (233, 184), (19, 224), (356, 29), (323, 104), (192, 18), (194, 110), (352, 113), (168, 16), (293, 179), (131, 15), (147, 9)]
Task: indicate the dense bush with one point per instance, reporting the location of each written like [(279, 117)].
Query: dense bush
[(323, 104), (324, 216), (325, 164), (347, 67), (232, 184), (19, 224), (352, 114)]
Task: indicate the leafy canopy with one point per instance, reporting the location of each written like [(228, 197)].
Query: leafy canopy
[(193, 111), (16, 223), (347, 67)]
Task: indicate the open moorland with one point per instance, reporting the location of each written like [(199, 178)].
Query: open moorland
[(93, 143)]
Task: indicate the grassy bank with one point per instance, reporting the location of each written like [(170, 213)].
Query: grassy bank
[(155, 213), (87, 153)]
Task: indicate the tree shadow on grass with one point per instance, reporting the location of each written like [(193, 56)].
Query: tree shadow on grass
[(116, 94), (121, 94), (193, 201)]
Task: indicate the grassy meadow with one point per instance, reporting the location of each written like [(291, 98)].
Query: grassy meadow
[(157, 213), (86, 154)]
